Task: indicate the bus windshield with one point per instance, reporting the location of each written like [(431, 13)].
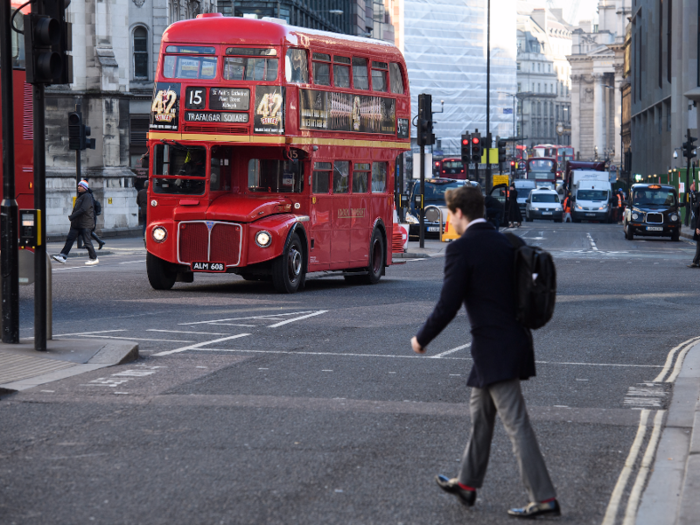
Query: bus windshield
[(179, 170), (654, 197)]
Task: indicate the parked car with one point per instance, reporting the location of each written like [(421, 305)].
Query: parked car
[(433, 203), (543, 203), (652, 209)]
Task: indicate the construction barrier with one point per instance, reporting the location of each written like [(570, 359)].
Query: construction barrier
[(449, 234)]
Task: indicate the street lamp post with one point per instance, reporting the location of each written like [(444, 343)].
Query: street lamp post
[(514, 97)]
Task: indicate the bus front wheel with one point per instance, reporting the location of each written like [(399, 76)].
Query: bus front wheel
[(161, 274), (288, 274)]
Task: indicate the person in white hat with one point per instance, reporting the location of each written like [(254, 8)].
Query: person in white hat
[(82, 221)]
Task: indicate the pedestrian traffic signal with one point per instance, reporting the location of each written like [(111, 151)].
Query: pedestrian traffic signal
[(46, 40), (466, 149), (424, 129), (689, 150), (512, 167), (476, 148), (78, 133), (502, 151)]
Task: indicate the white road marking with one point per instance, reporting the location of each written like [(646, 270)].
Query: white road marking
[(87, 333), (614, 503), (590, 239), (199, 345), (268, 316), (182, 332), (669, 359), (448, 352), (234, 324), (633, 501), (139, 339), (133, 262), (276, 325)]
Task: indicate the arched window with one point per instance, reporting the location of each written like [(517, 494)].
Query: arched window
[(140, 53), (174, 14)]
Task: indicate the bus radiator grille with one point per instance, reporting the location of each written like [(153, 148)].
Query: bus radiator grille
[(193, 243), (226, 244)]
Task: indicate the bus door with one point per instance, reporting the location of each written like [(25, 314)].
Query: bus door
[(360, 212), (342, 213), (321, 215)]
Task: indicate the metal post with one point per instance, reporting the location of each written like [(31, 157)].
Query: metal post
[(421, 225), (40, 204), (488, 183), (687, 183), (8, 209)]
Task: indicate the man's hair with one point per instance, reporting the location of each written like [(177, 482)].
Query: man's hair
[(468, 199)]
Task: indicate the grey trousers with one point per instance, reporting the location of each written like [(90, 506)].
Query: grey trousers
[(507, 400)]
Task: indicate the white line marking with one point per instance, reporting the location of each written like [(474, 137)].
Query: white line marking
[(297, 319), (595, 248), (182, 332), (234, 324), (633, 501), (250, 317), (133, 262), (88, 333), (669, 359), (448, 352), (199, 345), (139, 339), (616, 496)]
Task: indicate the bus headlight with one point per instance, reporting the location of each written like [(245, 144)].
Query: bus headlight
[(263, 239), (159, 234)]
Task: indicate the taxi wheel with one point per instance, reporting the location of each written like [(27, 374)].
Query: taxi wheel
[(288, 270), (161, 274), (376, 262)]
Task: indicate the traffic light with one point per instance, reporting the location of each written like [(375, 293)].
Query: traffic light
[(502, 151), (466, 149), (78, 133), (689, 151), (512, 167), (424, 129), (476, 148), (46, 39)]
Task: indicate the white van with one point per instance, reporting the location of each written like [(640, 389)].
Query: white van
[(591, 201)]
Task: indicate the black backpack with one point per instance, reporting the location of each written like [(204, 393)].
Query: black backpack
[(535, 283), (98, 207)]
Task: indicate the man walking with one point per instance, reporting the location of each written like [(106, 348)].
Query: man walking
[(695, 224), (479, 273), (96, 209), (82, 220)]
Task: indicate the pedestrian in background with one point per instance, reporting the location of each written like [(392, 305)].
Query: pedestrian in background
[(515, 218), (97, 207), (566, 206), (82, 220), (695, 209), (142, 201), (479, 272)]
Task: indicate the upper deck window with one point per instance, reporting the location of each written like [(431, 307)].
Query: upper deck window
[(191, 50), (17, 42), (396, 78), (240, 68), (341, 72), (179, 170), (379, 74), (360, 79), (322, 69), (195, 67), (296, 66)]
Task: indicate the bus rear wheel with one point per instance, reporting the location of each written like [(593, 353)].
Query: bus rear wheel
[(160, 273), (288, 274), (376, 262)]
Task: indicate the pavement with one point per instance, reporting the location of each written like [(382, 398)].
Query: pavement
[(22, 367)]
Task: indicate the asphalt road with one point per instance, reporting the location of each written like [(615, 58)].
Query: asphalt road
[(252, 407)]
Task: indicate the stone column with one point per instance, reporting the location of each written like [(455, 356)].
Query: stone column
[(599, 117), (617, 139), (575, 115)]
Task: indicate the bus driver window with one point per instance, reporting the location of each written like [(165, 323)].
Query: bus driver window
[(221, 162)]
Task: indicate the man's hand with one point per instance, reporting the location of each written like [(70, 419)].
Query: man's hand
[(417, 348), (697, 230)]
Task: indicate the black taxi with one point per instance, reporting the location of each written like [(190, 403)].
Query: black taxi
[(652, 209)]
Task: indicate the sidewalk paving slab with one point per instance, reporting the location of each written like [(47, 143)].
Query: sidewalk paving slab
[(22, 367)]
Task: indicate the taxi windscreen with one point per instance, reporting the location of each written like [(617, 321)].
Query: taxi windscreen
[(653, 197)]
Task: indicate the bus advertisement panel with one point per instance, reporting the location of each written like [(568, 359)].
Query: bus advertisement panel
[(272, 152)]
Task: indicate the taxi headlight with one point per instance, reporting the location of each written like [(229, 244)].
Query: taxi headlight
[(674, 217), (263, 239), (159, 234), (411, 219), (635, 216)]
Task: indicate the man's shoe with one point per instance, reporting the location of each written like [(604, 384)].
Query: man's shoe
[(101, 244), (693, 265), (59, 258), (92, 262), (533, 510), (451, 486)]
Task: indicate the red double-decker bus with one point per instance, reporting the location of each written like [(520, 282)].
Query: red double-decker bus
[(23, 116), (272, 152), (562, 154)]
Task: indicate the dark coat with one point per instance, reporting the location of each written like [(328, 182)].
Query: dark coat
[(696, 210), (514, 214), (479, 273), (142, 201), (83, 215)]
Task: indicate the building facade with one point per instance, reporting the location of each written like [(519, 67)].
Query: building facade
[(543, 76), (596, 77), (665, 82)]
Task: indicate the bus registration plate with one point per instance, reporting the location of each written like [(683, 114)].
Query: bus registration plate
[(208, 267)]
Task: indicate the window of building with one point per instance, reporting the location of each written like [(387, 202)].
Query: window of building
[(341, 176), (141, 53), (360, 78), (360, 177), (322, 69), (661, 41), (518, 66), (341, 72), (669, 40), (138, 142), (396, 78), (518, 87), (296, 66)]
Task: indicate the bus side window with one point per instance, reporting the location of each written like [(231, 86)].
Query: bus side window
[(360, 176), (322, 69), (341, 72), (321, 177), (378, 177), (341, 176), (221, 161), (396, 79), (359, 73), (254, 174), (379, 73), (296, 66)]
